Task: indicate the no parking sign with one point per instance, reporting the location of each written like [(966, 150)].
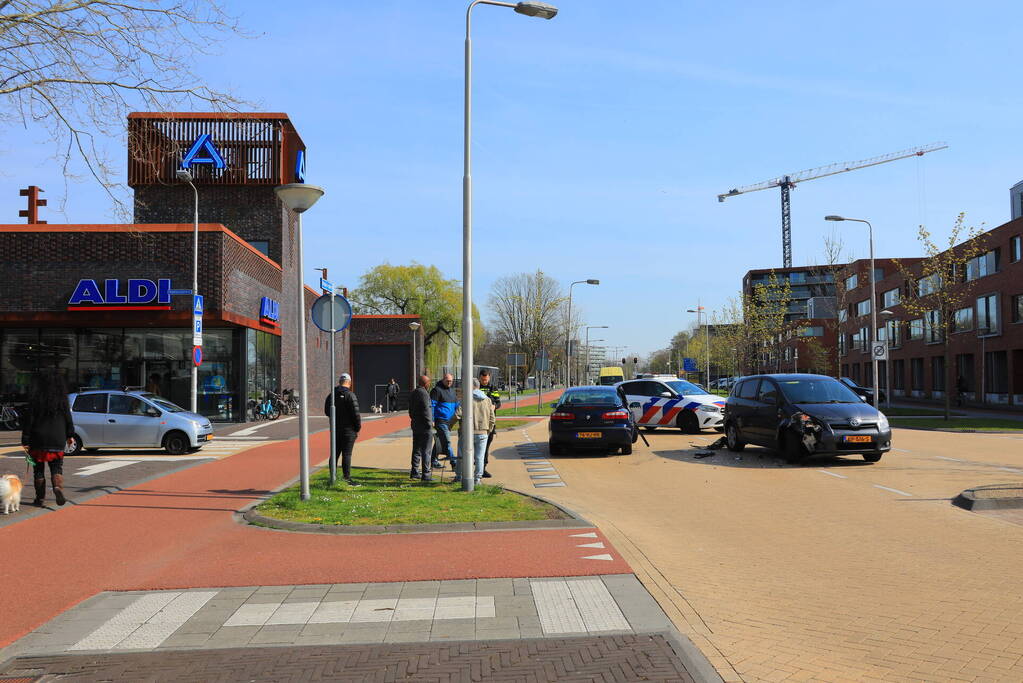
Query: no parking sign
[(197, 355)]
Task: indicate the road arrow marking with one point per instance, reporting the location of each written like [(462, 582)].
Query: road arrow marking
[(590, 534), (599, 557), (598, 544), (103, 467)]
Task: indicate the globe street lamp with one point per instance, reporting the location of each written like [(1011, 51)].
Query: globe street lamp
[(568, 330), (873, 301), (414, 326), (186, 177), (299, 198), (530, 8)]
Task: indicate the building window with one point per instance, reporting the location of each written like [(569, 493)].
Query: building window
[(932, 327), (843, 315), (842, 344), (987, 315), (852, 282), (797, 278), (864, 338), (1015, 248), (996, 372), (1017, 308), (863, 307), (985, 264), (898, 370), (890, 298), (916, 329), (937, 373), (916, 374), (893, 332), (928, 285), (812, 331), (963, 320), (878, 274), (262, 246)]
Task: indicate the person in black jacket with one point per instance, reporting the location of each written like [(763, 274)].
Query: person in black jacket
[(347, 423), (420, 410), (47, 431)]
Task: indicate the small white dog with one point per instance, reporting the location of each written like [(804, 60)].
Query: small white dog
[(10, 493)]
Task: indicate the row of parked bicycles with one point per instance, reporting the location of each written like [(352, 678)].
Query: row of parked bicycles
[(273, 405)]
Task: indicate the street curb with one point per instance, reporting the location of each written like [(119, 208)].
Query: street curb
[(248, 515), (968, 499), (953, 431)]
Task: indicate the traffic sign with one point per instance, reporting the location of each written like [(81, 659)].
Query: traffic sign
[(689, 364), (197, 355), (517, 360), (326, 285), (197, 331), (197, 305), (543, 361), (342, 312), (879, 350)]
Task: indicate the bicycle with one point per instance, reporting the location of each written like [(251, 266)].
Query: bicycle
[(9, 417), (270, 408), (290, 402)]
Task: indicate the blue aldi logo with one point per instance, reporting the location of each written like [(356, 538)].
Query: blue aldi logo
[(269, 310), (137, 295)]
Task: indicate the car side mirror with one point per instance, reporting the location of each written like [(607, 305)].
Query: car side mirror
[(152, 412), (665, 394)]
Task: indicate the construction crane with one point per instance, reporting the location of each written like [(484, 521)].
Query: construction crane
[(787, 182)]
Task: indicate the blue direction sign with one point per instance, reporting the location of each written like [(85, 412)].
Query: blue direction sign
[(326, 285), (689, 364)]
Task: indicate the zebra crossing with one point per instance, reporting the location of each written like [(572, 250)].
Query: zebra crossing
[(540, 469)]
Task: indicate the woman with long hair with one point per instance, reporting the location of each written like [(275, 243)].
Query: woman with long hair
[(47, 430)]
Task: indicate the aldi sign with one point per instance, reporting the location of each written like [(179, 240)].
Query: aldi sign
[(269, 310), (115, 295)]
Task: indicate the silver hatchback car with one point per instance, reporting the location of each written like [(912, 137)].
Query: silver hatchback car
[(134, 419)]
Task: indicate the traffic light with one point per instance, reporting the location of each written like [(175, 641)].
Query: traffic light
[(624, 361), (635, 360)]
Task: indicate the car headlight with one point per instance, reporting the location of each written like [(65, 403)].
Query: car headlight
[(882, 422), (710, 408)]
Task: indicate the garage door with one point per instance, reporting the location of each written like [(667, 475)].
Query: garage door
[(374, 366)]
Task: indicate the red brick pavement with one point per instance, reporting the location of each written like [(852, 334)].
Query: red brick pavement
[(179, 531), (606, 658)]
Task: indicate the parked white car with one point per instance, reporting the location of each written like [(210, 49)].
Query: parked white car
[(673, 403), (134, 419)]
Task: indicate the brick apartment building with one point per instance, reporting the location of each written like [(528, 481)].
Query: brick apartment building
[(110, 305), (986, 347)]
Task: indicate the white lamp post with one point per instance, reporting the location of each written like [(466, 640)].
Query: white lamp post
[(299, 197), (186, 177), (529, 8), (888, 315), (699, 312), (568, 330), (414, 326), (873, 302)]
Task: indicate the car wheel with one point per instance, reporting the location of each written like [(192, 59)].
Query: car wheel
[(872, 457), (77, 446), (176, 443), (688, 422), (732, 439), (627, 450), (793, 449)]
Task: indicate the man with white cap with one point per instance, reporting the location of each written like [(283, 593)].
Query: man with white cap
[(347, 423)]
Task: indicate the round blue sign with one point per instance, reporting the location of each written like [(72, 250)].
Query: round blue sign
[(197, 355)]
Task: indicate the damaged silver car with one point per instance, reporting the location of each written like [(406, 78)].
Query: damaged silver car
[(803, 416)]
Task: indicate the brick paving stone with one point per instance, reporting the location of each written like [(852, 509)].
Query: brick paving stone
[(608, 658)]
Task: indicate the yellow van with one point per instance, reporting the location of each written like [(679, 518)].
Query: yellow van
[(610, 376)]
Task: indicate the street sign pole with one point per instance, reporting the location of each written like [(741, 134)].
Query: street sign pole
[(333, 413), (197, 311)]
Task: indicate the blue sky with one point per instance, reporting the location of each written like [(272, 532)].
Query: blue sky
[(603, 137)]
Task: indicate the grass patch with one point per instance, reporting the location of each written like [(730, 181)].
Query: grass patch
[(965, 424), (527, 408), (910, 411), (390, 497), (512, 424)]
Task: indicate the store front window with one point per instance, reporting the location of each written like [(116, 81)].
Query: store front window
[(263, 367)]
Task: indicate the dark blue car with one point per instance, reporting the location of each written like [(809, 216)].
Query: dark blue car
[(592, 417)]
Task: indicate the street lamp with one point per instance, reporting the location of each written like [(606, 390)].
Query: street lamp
[(186, 177), (414, 326), (299, 198), (529, 8), (699, 311), (586, 376), (885, 313), (873, 300), (568, 330)]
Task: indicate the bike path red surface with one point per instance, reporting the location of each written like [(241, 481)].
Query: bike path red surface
[(180, 531)]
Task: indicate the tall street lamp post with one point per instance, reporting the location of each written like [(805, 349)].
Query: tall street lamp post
[(414, 326), (568, 330), (529, 8), (873, 301), (586, 372), (299, 198), (699, 312), (186, 177), (889, 316)]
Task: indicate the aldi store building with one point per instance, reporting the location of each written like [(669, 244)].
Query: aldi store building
[(110, 306)]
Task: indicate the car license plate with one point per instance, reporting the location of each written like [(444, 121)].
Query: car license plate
[(589, 435), (858, 439)]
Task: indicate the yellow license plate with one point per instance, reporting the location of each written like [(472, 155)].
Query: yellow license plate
[(589, 435), (858, 439)]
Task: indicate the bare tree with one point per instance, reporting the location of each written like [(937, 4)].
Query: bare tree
[(941, 284), (77, 67), (529, 309)]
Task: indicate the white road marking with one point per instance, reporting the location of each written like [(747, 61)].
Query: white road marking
[(545, 484), (90, 470), (1011, 469), (901, 493), (833, 474), (599, 557), (901, 450), (590, 534), (598, 544), (254, 428), (942, 457)]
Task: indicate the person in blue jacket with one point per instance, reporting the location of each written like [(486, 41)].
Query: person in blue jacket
[(445, 401)]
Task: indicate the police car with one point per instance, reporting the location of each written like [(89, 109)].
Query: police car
[(659, 402)]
